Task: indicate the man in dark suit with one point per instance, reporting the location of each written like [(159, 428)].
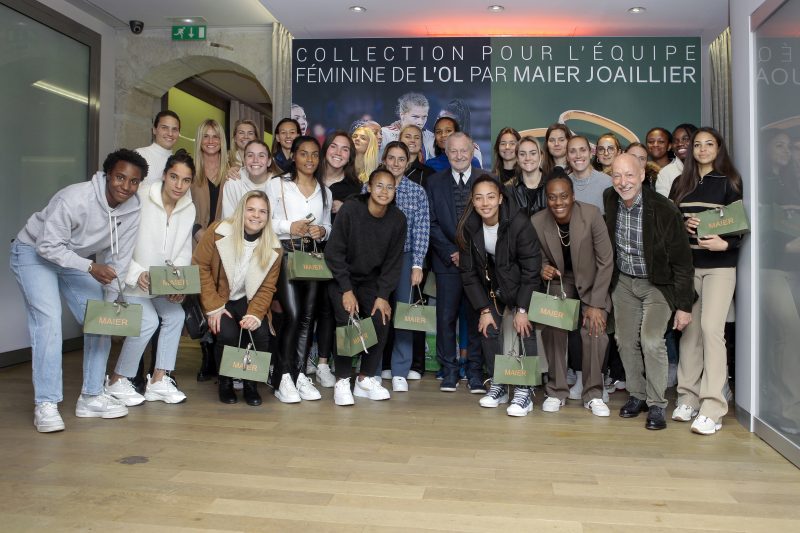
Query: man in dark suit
[(448, 197), (653, 277)]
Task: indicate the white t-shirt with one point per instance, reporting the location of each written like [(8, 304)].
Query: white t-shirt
[(490, 238)]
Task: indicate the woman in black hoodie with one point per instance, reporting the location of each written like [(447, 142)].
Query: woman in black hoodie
[(499, 264)]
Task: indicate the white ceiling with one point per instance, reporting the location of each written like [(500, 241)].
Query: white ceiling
[(428, 18)]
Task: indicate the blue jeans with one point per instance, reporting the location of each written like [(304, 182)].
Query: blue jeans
[(172, 317), (403, 352), (41, 282)]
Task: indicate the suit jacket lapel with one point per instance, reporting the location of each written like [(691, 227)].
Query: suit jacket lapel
[(577, 234), (553, 242)]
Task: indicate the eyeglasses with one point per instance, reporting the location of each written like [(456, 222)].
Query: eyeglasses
[(382, 187), (606, 149)]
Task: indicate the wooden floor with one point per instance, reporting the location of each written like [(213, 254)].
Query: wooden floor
[(424, 460)]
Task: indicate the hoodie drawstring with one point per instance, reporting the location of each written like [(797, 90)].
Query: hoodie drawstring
[(113, 235)]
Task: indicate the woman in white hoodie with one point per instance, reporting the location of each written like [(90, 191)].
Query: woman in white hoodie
[(165, 234)]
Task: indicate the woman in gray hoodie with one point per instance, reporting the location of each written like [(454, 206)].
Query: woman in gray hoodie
[(52, 253)]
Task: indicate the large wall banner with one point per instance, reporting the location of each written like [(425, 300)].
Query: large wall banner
[(622, 84)]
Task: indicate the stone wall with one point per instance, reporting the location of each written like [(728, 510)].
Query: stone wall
[(149, 64)]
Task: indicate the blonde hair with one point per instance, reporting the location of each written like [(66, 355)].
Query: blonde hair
[(200, 176), (232, 155), (236, 220), (370, 157)]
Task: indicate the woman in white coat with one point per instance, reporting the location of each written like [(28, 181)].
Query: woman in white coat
[(165, 234)]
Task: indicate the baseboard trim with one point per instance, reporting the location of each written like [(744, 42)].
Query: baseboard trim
[(23, 355)]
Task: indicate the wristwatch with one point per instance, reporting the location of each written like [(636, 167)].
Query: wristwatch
[(522, 310)]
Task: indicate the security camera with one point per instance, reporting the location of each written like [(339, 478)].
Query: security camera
[(136, 26)]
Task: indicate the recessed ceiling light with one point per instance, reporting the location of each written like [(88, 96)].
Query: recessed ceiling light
[(358, 9), (495, 8), (637, 10)]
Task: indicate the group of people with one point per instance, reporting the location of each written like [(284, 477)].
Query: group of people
[(565, 216)]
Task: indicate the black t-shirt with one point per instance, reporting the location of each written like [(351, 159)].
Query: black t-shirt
[(565, 242)]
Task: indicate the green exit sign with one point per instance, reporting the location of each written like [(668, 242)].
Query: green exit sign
[(188, 33)]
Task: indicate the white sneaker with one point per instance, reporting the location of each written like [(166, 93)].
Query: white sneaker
[(684, 413), (100, 406), (672, 375), (287, 392), (605, 395), (619, 385), (576, 391), (238, 384), (306, 389), (386, 374), (522, 404), (324, 376), (598, 407), (399, 384), (552, 404), (705, 426), (571, 377), (163, 390), (342, 394), (124, 391), (311, 369), (371, 388), (413, 375), (46, 418), (497, 394)]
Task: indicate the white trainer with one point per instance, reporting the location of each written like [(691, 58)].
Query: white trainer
[(413, 375), (552, 404), (572, 378), (497, 394), (386, 374), (684, 413), (342, 394), (576, 391), (324, 376), (597, 407), (371, 388), (286, 391), (124, 391), (163, 390), (399, 384), (306, 389), (522, 403), (46, 418), (100, 406), (703, 425)]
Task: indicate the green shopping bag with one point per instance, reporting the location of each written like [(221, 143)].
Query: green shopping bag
[(307, 266), (728, 220), (415, 316), (245, 363), (430, 285), (516, 368), (356, 337), (557, 310), (170, 279), (113, 318)]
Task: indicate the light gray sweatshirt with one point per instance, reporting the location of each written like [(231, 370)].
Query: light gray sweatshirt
[(78, 223)]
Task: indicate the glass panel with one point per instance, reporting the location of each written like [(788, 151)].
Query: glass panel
[(43, 104), (778, 117)]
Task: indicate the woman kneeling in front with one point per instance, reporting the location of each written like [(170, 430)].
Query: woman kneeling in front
[(365, 255), (499, 263), (239, 260), (577, 249)]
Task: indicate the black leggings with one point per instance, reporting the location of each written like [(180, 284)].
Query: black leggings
[(229, 330), (326, 323), (365, 295), (298, 299)]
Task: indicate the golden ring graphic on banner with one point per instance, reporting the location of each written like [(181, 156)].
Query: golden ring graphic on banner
[(592, 118)]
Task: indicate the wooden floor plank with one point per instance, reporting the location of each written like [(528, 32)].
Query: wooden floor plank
[(422, 461)]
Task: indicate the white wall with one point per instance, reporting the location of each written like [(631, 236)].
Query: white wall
[(744, 126)]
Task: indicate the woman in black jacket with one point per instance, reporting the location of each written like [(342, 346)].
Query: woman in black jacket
[(500, 264), (527, 188)]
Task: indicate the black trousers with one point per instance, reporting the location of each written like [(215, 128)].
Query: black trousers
[(299, 302), (366, 295), (325, 321), (229, 330)]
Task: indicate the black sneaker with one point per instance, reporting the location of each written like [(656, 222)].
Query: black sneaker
[(448, 385), (655, 418), (476, 386)]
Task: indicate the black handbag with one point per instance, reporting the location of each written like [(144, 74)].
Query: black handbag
[(196, 324)]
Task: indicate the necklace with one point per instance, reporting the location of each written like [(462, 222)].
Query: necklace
[(562, 236), (582, 184)]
